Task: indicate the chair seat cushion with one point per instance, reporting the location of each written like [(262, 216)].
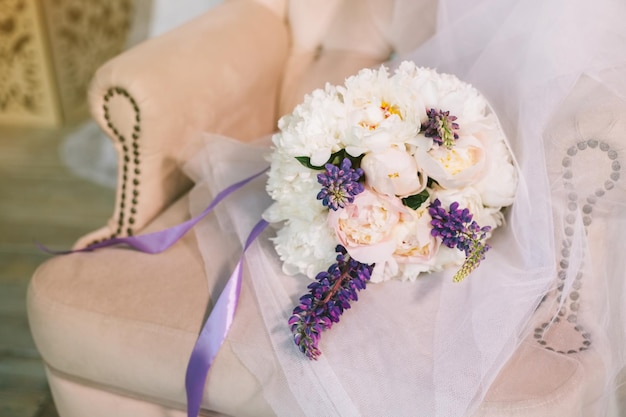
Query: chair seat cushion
[(128, 321)]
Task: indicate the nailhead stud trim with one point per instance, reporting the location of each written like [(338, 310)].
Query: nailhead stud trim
[(131, 161)]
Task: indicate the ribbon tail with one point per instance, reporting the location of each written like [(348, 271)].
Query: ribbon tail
[(157, 242), (215, 330)]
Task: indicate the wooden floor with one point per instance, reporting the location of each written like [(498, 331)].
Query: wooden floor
[(40, 200)]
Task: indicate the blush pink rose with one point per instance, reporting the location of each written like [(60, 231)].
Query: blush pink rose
[(366, 227), (416, 245), (456, 168)]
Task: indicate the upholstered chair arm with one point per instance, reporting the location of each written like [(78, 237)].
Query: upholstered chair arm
[(218, 73)]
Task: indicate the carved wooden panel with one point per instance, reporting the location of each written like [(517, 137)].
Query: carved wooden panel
[(26, 84), (49, 51), (83, 34)]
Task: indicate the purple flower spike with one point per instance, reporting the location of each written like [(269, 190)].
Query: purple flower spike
[(441, 127), (339, 184), (456, 229), (329, 296)]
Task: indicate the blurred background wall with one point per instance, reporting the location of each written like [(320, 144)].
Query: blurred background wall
[(50, 49)]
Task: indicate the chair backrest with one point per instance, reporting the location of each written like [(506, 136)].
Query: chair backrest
[(332, 39)]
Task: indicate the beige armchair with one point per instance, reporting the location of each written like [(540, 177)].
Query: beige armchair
[(116, 327), (116, 340)]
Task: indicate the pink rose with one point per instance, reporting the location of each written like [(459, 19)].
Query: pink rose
[(366, 227), (416, 245), (458, 167)]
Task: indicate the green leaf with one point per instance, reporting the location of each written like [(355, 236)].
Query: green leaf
[(306, 161), (415, 201), (431, 182), (335, 159)]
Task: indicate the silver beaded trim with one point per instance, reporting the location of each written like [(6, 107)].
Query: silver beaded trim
[(568, 314)]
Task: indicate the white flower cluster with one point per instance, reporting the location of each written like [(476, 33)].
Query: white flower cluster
[(381, 121)]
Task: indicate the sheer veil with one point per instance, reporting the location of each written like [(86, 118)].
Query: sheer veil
[(86, 151), (553, 286)]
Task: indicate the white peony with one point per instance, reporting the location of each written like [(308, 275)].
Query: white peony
[(454, 168), (499, 183), (380, 112), (293, 187), (305, 247), (315, 128), (393, 172), (446, 92)]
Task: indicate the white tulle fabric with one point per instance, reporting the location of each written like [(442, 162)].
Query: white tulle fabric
[(88, 153), (554, 71)]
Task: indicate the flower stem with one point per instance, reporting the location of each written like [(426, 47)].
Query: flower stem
[(345, 274)]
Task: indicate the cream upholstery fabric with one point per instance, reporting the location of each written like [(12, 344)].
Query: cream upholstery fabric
[(221, 74), (128, 321)]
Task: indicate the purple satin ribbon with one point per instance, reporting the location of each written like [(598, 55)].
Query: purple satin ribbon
[(216, 328), (157, 242)]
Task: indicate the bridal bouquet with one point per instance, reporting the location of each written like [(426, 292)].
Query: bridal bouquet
[(386, 177)]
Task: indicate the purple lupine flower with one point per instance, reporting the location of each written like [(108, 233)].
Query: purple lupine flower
[(441, 127), (339, 184), (329, 296), (456, 229)]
